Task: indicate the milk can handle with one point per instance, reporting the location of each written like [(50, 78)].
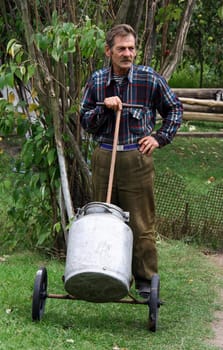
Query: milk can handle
[(83, 210)]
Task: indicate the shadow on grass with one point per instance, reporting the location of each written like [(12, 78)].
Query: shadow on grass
[(101, 317)]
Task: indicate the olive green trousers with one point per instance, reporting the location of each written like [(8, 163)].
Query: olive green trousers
[(132, 191)]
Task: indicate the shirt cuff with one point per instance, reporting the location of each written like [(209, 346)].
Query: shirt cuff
[(161, 141)]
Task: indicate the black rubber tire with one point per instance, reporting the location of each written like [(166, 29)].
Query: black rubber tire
[(39, 294), (154, 303)]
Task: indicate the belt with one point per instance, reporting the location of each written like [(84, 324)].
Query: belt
[(120, 148)]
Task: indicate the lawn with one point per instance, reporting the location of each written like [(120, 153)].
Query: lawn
[(189, 288), (189, 281), (196, 161)]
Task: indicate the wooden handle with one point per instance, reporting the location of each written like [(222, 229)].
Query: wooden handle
[(113, 158), (123, 105)]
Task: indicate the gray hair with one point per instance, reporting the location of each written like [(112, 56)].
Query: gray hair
[(119, 30)]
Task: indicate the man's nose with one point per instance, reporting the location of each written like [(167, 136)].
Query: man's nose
[(127, 52)]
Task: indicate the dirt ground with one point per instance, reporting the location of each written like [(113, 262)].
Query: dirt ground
[(218, 321)]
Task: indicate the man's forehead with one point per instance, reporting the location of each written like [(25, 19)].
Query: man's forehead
[(121, 40)]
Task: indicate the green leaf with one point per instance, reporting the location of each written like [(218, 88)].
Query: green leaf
[(10, 43), (57, 227), (51, 156), (56, 54), (54, 18), (23, 70), (43, 237), (220, 12), (9, 79), (7, 184), (43, 190), (2, 81)]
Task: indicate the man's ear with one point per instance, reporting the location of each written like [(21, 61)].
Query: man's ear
[(107, 51)]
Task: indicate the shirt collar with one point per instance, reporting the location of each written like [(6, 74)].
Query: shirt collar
[(130, 75)]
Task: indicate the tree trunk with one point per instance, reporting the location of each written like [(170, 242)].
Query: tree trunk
[(134, 14), (51, 86), (122, 12), (176, 52), (164, 36), (130, 11), (149, 32)]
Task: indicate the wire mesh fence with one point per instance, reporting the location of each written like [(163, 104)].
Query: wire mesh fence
[(185, 214)]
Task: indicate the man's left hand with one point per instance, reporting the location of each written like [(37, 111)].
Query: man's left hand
[(147, 145)]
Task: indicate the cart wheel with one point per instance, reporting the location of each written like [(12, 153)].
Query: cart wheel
[(154, 303), (39, 294)]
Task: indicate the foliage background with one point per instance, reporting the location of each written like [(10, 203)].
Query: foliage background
[(47, 52)]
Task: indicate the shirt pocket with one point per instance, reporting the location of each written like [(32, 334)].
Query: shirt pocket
[(107, 128), (140, 121)]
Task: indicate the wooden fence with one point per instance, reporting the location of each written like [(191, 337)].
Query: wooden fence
[(202, 105)]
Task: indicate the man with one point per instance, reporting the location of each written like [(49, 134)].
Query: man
[(124, 82)]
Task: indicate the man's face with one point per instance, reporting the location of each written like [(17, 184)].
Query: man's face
[(122, 53)]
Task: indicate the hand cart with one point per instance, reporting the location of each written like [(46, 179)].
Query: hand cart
[(74, 283)]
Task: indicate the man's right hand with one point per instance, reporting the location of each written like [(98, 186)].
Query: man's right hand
[(113, 102)]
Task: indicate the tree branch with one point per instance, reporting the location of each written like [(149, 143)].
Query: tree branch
[(176, 52)]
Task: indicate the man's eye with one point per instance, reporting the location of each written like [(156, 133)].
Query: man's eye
[(123, 49)]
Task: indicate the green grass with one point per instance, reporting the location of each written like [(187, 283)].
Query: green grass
[(189, 185), (197, 161), (189, 284)]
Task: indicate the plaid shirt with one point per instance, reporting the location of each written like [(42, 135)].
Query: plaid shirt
[(142, 86)]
